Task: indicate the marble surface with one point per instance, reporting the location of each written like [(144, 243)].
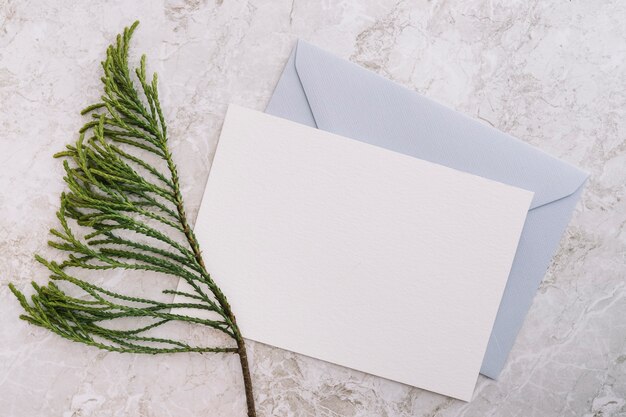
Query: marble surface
[(550, 73)]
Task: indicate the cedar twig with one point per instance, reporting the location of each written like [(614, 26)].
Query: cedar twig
[(131, 216)]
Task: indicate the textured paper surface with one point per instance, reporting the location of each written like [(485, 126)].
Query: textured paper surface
[(357, 255)]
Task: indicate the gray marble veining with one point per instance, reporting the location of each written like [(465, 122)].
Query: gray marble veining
[(550, 73)]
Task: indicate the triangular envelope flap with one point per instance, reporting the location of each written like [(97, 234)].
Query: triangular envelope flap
[(351, 101)]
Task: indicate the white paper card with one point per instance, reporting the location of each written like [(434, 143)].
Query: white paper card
[(355, 254)]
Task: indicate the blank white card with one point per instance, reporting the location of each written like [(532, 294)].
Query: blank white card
[(355, 254)]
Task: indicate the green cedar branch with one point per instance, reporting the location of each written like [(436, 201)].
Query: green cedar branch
[(129, 215)]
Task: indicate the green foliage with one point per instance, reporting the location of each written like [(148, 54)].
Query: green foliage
[(129, 214), (124, 211)]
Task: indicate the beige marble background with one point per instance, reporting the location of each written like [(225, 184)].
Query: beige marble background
[(552, 73)]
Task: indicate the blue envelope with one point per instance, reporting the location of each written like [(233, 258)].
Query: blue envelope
[(324, 91)]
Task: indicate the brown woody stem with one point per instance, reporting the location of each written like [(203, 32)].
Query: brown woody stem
[(245, 370)]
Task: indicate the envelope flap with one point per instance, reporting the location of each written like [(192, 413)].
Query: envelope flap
[(351, 101)]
